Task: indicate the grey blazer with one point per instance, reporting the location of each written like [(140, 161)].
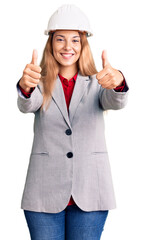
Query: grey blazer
[(69, 154)]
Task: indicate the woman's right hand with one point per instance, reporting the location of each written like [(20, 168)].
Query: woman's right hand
[(31, 74)]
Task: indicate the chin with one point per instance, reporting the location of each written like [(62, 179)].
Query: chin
[(67, 64)]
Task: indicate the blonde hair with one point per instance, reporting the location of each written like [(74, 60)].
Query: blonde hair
[(50, 67)]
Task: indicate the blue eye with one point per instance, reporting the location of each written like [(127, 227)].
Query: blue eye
[(59, 39), (75, 41)]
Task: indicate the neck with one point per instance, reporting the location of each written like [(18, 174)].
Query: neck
[(68, 71)]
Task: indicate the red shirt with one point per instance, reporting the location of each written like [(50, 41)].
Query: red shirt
[(68, 87)]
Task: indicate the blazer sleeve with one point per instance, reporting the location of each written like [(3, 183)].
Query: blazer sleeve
[(31, 104), (110, 99)]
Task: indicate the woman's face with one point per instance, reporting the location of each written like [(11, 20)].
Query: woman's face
[(66, 47)]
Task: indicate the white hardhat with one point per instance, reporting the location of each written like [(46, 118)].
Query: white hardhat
[(69, 17)]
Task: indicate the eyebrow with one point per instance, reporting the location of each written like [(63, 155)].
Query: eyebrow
[(64, 36)]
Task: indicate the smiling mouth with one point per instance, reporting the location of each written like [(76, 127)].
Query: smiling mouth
[(67, 55)]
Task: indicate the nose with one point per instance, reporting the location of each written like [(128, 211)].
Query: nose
[(67, 45)]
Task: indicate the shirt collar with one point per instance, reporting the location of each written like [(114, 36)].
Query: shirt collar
[(73, 78)]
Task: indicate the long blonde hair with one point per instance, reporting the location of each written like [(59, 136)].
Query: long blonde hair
[(50, 67)]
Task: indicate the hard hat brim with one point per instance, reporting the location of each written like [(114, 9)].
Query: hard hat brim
[(88, 34)]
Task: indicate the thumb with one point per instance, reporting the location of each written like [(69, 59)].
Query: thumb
[(105, 61), (34, 57)]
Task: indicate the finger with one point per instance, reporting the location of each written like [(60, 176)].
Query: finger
[(33, 68), (35, 75), (107, 85), (105, 61), (102, 73), (34, 57), (29, 80), (110, 86), (32, 74), (32, 85), (104, 80)]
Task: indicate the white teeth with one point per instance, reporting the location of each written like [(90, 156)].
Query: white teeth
[(67, 54)]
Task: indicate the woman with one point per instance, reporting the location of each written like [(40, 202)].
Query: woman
[(68, 190)]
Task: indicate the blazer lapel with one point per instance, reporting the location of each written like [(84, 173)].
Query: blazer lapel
[(59, 98), (78, 92)]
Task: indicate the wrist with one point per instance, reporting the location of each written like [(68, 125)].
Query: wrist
[(120, 84), (121, 79), (26, 89)]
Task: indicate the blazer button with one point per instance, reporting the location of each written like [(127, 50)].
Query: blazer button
[(69, 154), (68, 132)]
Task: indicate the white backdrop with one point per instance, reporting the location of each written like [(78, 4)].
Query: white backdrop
[(119, 27)]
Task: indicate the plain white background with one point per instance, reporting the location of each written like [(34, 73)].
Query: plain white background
[(119, 27)]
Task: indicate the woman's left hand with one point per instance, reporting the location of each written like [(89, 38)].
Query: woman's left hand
[(109, 77)]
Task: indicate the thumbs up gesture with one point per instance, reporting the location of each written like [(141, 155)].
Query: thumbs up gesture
[(31, 74), (109, 77)]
